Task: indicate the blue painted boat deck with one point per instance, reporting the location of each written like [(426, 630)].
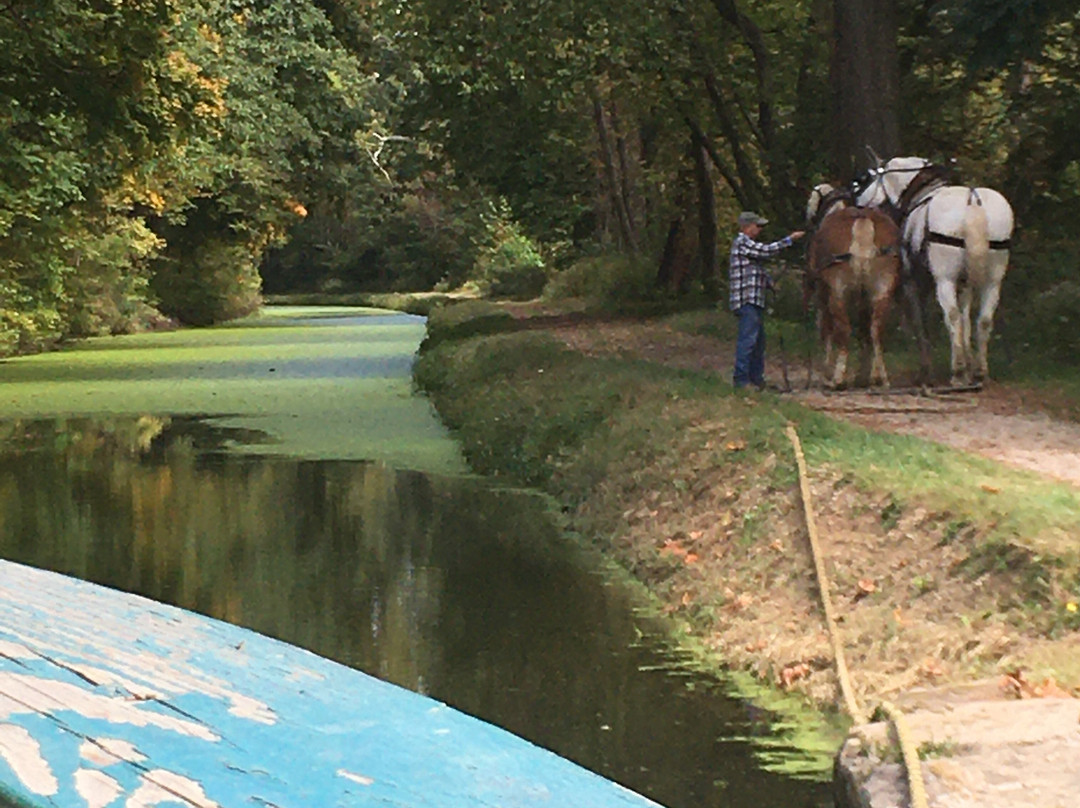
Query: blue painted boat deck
[(109, 699)]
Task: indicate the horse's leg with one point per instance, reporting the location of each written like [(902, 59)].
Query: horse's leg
[(883, 291), (913, 307), (946, 295), (824, 322), (963, 300), (841, 333), (988, 302)]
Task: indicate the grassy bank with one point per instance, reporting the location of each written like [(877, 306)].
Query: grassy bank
[(948, 568)]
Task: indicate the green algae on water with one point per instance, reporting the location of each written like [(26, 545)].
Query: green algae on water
[(320, 383)]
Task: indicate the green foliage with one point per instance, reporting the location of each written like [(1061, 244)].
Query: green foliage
[(1051, 322), (461, 320), (215, 281), (604, 280), (509, 265), (995, 32), (186, 129), (430, 238), (86, 100), (529, 417), (362, 147), (108, 290)]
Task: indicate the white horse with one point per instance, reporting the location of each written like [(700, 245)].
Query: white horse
[(956, 237)]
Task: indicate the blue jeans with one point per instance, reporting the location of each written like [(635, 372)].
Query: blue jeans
[(750, 346)]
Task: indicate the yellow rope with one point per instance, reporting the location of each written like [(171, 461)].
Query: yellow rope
[(910, 754), (907, 747), (823, 584)]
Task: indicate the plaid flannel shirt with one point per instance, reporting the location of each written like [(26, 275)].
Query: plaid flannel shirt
[(748, 279)]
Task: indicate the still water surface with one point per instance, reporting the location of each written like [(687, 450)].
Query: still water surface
[(442, 584)]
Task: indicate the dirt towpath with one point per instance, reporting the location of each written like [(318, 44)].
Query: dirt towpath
[(995, 422)]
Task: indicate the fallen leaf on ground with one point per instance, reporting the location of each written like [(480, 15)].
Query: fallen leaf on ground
[(1018, 686), (735, 445), (672, 546), (742, 601), (864, 587), (1050, 689), (931, 669), (792, 673), (990, 489), (1015, 685)]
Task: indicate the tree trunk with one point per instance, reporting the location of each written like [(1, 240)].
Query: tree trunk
[(665, 273), (618, 202), (725, 171), (865, 82), (706, 218)]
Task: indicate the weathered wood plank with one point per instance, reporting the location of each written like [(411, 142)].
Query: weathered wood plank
[(109, 699)]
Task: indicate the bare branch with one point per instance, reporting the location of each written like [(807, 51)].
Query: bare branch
[(375, 155)]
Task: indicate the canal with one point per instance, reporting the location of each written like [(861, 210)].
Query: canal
[(282, 476)]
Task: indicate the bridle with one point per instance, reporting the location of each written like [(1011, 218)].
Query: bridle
[(894, 208)]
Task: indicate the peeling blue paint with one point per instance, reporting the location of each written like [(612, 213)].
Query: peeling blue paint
[(109, 699)]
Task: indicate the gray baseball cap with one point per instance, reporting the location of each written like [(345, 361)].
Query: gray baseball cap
[(749, 217)]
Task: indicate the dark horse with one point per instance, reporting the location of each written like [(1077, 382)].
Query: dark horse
[(853, 250)]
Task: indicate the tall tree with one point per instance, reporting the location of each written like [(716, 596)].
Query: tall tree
[(866, 82)]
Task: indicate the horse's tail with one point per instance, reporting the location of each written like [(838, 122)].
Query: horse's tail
[(863, 248), (976, 238)]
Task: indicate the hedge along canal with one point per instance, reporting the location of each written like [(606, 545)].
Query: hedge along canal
[(281, 474)]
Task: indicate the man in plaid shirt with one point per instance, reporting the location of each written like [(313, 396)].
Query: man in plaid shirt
[(748, 281)]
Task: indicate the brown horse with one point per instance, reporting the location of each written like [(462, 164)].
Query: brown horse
[(853, 250)]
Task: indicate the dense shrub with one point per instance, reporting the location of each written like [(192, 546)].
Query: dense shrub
[(1052, 321), (606, 279), (217, 281), (460, 320), (510, 266)]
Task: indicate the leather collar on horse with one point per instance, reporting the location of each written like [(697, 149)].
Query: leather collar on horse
[(929, 178), (827, 201)]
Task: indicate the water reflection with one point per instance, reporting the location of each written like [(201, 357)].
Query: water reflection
[(442, 585)]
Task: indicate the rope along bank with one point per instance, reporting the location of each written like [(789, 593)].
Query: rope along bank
[(908, 751)]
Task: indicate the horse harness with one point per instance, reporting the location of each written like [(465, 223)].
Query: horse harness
[(953, 241), (839, 258), (827, 201), (929, 179)]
